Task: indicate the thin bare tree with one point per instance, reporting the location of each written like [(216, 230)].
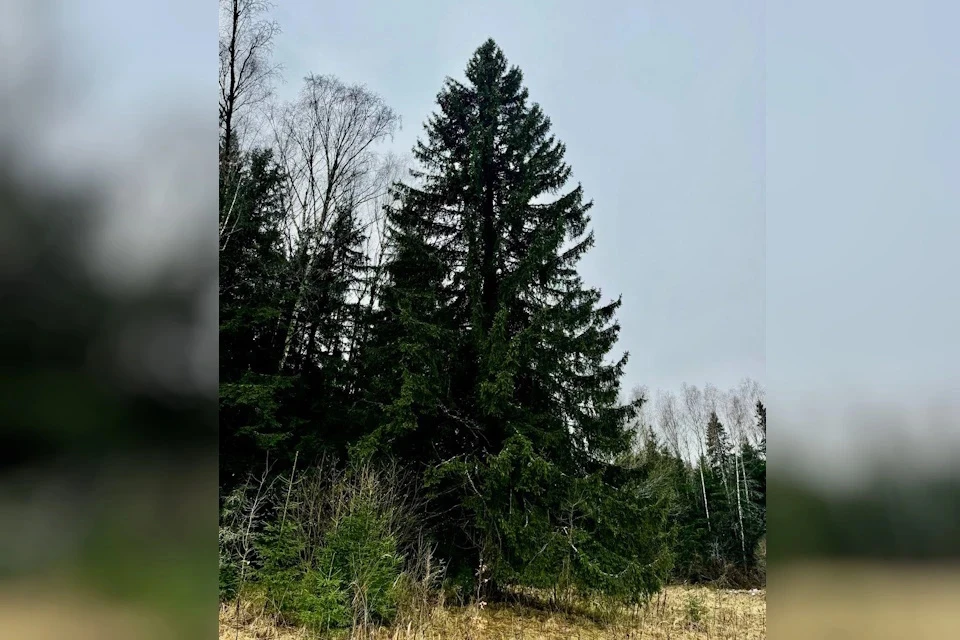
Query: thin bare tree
[(713, 400), (751, 391), (246, 71), (375, 245), (667, 418), (737, 414), (246, 74), (677, 433), (326, 139), (695, 412), (641, 424)]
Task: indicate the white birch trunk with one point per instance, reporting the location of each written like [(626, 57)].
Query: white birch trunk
[(743, 536), (703, 486)]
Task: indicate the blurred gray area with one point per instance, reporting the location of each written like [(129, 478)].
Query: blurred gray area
[(863, 357), (108, 326)]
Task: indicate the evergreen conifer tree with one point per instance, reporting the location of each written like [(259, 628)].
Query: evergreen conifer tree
[(252, 284), (493, 353), (718, 450)]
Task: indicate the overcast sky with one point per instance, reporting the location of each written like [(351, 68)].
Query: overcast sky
[(863, 224), (775, 184), (661, 108)]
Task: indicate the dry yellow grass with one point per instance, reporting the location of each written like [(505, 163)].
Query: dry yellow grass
[(840, 600), (251, 625), (725, 615)]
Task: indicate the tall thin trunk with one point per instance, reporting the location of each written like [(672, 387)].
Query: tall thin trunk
[(295, 313), (746, 490), (232, 92), (743, 537), (703, 486), (723, 476), (286, 503)]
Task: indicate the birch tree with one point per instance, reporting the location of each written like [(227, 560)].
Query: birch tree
[(327, 141), (246, 71), (737, 419), (669, 422), (696, 418)]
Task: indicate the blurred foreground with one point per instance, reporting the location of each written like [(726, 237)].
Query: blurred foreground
[(108, 414), (878, 561), (108, 467), (895, 516), (863, 600)]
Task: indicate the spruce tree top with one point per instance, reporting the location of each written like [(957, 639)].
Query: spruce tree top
[(487, 215)]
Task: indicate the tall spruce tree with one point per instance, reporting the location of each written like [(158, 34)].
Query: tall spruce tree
[(719, 478), (493, 353), (718, 450), (754, 471), (755, 464)]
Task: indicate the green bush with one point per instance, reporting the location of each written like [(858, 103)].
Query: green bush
[(360, 552), (330, 557), (229, 578), (240, 519), (695, 613), (282, 569), (460, 585), (321, 602), (296, 590)]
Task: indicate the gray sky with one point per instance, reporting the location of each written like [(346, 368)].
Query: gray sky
[(775, 183), (863, 161), (661, 108)]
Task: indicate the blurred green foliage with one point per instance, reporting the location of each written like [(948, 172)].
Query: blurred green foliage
[(892, 517), (107, 450)]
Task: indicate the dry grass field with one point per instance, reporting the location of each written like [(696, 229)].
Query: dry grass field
[(813, 601), (682, 613)]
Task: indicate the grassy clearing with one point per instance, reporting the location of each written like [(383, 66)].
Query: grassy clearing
[(680, 613)]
